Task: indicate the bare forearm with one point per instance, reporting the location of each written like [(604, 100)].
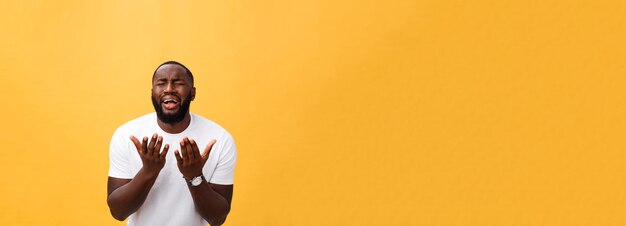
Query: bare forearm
[(126, 199), (211, 201), (212, 206)]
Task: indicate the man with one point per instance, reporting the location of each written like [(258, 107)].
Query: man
[(157, 187)]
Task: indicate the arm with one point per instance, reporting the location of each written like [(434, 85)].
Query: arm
[(212, 201), (125, 196)]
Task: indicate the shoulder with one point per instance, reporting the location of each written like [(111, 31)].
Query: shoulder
[(205, 124)]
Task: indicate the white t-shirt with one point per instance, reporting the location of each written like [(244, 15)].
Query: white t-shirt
[(169, 201)]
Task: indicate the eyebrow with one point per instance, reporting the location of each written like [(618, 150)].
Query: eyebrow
[(178, 78)]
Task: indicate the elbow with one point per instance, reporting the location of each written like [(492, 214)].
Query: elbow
[(117, 214), (218, 219), (118, 217), (216, 222)]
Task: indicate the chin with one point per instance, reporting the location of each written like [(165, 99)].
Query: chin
[(170, 112)]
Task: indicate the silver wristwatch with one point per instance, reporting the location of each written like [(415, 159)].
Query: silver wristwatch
[(196, 180)]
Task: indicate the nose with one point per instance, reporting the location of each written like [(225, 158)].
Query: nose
[(169, 88)]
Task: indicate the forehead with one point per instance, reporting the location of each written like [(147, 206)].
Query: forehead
[(171, 71)]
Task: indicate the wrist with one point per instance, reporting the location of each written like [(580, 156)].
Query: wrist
[(153, 174), (190, 176), (195, 181)]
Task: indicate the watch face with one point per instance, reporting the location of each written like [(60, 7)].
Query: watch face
[(196, 181)]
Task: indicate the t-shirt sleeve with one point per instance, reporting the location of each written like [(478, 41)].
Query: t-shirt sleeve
[(119, 156), (224, 172)]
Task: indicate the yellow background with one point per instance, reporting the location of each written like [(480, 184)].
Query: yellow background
[(400, 112)]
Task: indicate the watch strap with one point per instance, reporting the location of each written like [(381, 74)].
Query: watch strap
[(190, 181)]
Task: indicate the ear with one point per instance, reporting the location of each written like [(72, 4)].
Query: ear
[(193, 93)]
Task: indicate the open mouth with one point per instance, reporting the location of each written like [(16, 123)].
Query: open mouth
[(169, 103)]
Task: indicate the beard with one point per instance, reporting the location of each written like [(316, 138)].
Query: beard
[(175, 117)]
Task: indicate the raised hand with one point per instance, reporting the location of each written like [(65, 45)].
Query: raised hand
[(189, 159), (152, 157)]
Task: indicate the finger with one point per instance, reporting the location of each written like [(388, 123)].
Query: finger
[(136, 142), (151, 144), (157, 147), (179, 160), (164, 152), (194, 148), (144, 145), (190, 152), (183, 150), (207, 150)]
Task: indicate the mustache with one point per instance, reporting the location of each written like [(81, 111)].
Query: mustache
[(172, 95)]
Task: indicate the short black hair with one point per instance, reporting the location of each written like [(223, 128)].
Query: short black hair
[(176, 63)]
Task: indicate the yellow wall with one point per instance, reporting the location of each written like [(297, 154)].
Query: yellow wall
[(401, 112)]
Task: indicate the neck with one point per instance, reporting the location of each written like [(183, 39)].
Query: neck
[(177, 127)]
